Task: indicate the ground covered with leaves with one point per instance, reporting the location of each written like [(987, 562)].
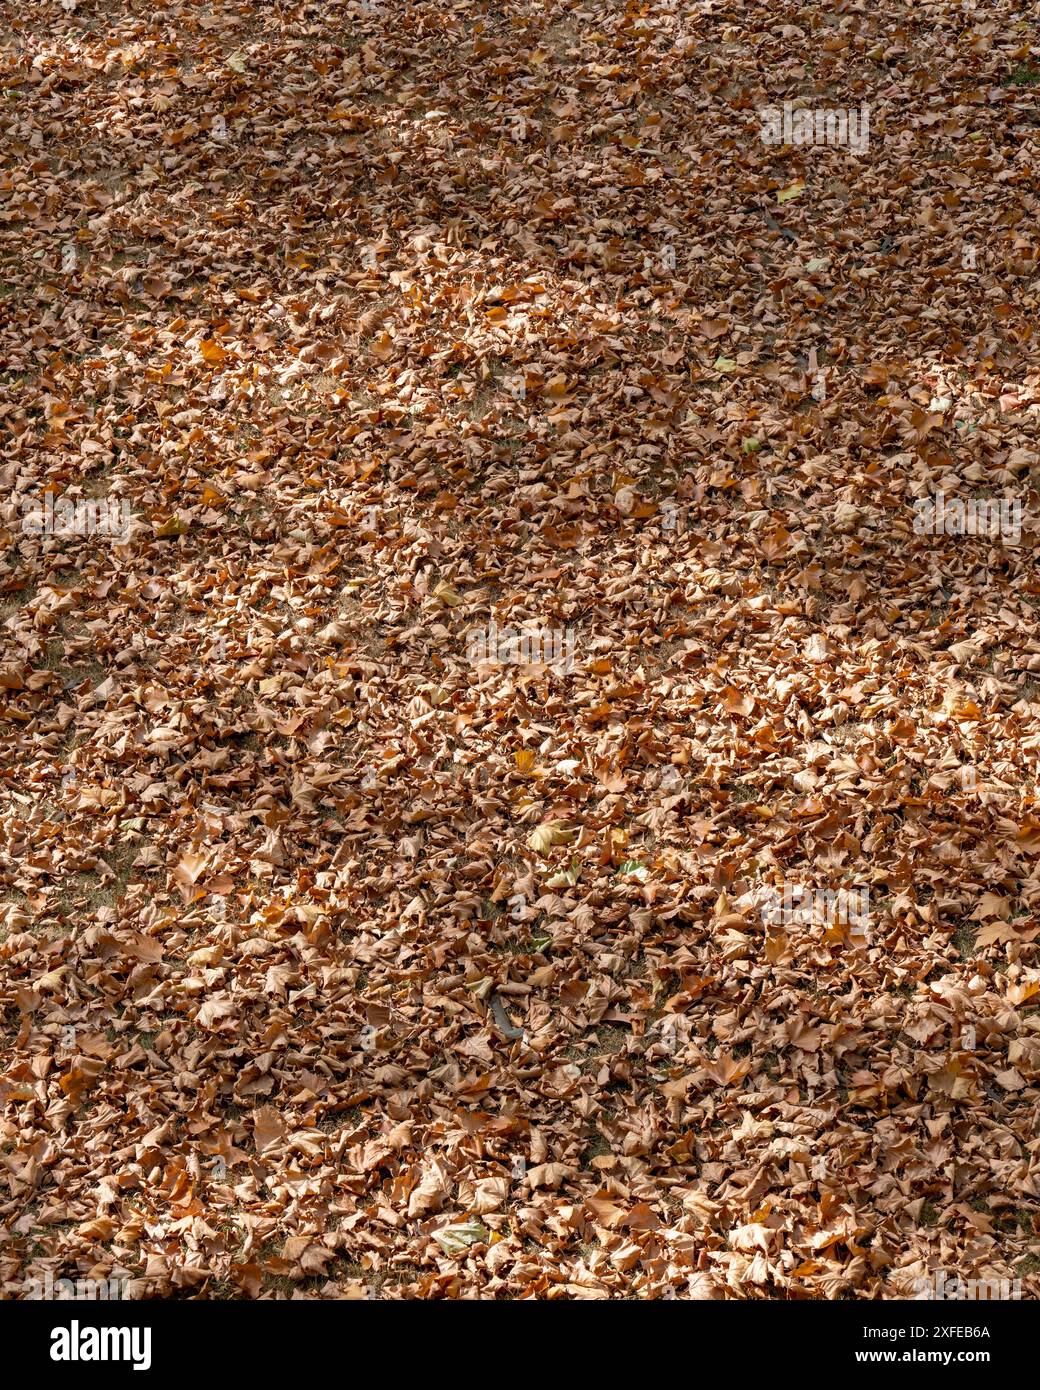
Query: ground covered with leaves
[(335, 962)]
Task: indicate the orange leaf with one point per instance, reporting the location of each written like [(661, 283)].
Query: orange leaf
[(212, 352)]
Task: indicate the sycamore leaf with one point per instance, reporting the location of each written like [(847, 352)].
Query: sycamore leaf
[(447, 595), (543, 837), (454, 1240), (566, 878), (212, 352)]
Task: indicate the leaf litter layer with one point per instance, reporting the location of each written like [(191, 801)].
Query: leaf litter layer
[(340, 959)]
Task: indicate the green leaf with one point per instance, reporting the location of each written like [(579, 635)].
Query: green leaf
[(454, 1240)]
